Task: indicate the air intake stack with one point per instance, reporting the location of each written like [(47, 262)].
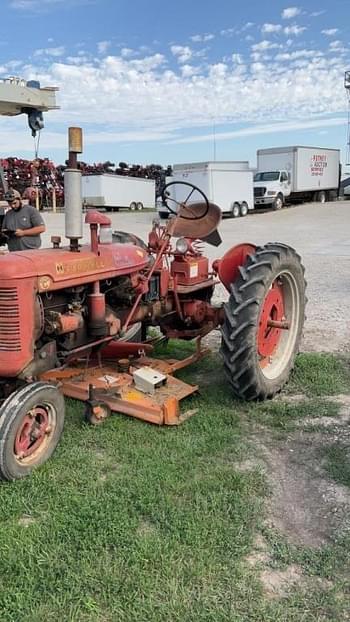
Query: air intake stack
[(72, 190)]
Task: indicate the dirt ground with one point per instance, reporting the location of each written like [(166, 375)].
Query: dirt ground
[(319, 233)]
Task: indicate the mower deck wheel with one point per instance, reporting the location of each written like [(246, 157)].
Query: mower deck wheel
[(96, 412)]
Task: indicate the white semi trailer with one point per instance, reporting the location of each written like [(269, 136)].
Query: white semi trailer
[(287, 174), (227, 184), (114, 192)]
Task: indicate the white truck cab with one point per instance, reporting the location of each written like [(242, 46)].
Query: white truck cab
[(271, 188)]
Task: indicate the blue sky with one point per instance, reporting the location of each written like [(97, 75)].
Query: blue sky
[(157, 81)]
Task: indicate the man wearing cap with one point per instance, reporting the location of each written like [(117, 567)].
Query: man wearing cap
[(22, 224)]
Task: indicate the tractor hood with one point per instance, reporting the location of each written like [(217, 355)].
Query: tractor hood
[(57, 267)]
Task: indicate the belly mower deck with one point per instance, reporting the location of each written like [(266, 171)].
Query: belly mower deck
[(117, 384)]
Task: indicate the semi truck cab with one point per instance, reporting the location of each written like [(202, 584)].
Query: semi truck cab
[(271, 188)]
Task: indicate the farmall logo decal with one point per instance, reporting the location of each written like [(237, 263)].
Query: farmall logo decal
[(318, 164), (80, 266)]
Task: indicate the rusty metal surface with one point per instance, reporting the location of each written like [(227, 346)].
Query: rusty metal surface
[(117, 389), (197, 220)]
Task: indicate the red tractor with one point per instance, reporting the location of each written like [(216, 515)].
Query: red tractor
[(73, 321)]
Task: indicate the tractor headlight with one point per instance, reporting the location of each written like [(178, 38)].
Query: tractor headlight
[(271, 193), (182, 246)]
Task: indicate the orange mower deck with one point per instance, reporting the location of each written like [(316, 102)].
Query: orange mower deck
[(117, 389)]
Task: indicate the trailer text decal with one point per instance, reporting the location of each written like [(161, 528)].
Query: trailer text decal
[(318, 164)]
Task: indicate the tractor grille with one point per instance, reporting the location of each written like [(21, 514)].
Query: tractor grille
[(259, 192), (10, 338)]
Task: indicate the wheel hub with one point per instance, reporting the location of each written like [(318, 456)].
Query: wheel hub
[(32, 432), (272, 313)]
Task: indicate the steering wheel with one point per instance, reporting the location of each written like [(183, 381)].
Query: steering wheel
[(166, 198)]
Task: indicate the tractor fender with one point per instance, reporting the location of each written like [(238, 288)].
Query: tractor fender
[(227, 267)]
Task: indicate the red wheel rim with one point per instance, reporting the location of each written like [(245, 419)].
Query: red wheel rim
[(33, 430), (272, 309)]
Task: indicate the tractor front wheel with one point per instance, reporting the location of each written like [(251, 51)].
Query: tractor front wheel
[(31, 424), (263, 323)]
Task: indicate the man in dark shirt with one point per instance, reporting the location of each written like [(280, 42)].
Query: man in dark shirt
[(22, 224)]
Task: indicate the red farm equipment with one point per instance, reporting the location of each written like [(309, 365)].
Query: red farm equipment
[(73, 321)]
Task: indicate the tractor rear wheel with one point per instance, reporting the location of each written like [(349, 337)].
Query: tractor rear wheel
[(31, 424), (263, 323)]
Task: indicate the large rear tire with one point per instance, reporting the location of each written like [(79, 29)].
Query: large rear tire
[(259, 354), (31, 424)]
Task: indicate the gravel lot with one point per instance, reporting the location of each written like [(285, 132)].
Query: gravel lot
[(319, 233)]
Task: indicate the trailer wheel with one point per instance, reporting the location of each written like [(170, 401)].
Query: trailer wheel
[(278, 202), (139, 206), (132, 206), (31, 424), (263, 323), (321, 196), (235, 210), (244, 208)]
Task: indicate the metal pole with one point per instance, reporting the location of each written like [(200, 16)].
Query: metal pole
[(54, 204), (214, 139)]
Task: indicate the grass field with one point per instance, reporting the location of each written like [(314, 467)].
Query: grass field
[(129, 522)]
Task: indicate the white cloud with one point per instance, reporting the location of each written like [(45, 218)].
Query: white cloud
[(188, 70), (264, 45), (335, 45), (182, 52), (266, 28), (202, 38), (103, 46), (289, 56), (59, 51), (246, 26), (270, 128), (294, 30), (237, 58), (317, 13), (228, 32), (39, 5), (134, 98), (290, 12), (330, 32), (127, 52)]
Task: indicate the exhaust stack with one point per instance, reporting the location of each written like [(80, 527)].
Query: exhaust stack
[(72, 190)]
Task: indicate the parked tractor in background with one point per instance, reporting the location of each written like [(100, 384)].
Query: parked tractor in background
[(73, 321)]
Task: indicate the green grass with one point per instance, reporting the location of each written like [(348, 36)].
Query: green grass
[(337, 462), (287, 416), (317, 375), (130, 522)]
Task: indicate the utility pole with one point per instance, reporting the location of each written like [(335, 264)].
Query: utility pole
[(214, 139), (347, 88)]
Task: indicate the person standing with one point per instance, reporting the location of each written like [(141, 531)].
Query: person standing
[(22, 224)]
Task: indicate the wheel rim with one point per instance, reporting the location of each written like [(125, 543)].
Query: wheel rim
[(279, 203), (235, 211), (244, 209), (34, 433), (98, 413), (278, 325)]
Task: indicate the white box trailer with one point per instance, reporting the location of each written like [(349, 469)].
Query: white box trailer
[(227, 184), (287, 174), (118, 191)]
